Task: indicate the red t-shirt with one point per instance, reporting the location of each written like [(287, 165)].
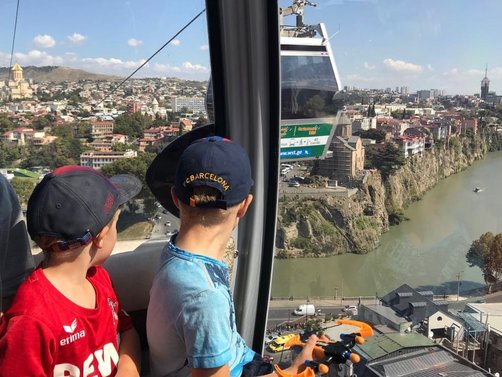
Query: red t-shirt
[(45, 334)]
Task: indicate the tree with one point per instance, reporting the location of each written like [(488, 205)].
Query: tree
[(136, 166), (8, 154), (59, 153), (493, 262), (479, 250), (131, 125), (5, 123), (23, 188), (373, 134), (387, 158)]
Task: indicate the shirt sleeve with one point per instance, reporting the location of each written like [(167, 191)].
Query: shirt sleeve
[(205, 324), (27, 348)]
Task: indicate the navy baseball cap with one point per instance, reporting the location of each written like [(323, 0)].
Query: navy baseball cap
[(215, 162), (75, 201)]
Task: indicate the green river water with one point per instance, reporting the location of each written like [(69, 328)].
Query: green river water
[(428, 251)]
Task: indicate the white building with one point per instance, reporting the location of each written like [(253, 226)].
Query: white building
[(193, 104), (96, 160)]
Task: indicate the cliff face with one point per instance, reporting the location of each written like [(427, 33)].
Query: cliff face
[(328, 225)]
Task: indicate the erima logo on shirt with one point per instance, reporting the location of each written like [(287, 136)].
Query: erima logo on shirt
[(70, 329)]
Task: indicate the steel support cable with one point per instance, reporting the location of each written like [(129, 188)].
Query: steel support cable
[(13, 39), (152, 56)]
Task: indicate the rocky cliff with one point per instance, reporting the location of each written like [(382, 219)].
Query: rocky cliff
[(329, 225)]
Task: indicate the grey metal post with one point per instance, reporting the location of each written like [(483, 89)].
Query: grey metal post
[(245, 69)]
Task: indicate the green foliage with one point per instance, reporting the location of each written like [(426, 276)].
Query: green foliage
[(396, 217), (23, 188), (363, 222), (314, 326), (6, 124), (44, 121), (327, 228), (8, 154), (455, 144), (387, 158), (136, 166), (479, 249), (300, 243), (64, 131), (486, 253), (59, 153), (120, 147), (373, 134), (83, 130), (131, 125), (493, 261)]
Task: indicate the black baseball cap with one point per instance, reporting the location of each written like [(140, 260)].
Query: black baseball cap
[(215, 162), (160, 175), (73, 201)]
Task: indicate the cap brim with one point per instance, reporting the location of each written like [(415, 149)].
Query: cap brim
[(161, 173), (128, 186)]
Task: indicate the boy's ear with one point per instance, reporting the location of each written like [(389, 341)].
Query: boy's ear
[(243, 207), (176, 201), (98, 240)]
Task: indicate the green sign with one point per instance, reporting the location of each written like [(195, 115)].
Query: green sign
[(305, 139)]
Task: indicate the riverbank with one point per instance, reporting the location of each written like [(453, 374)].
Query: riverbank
[(328, 225), (426, 252)]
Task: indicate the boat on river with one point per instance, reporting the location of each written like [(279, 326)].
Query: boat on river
[(477, 189)]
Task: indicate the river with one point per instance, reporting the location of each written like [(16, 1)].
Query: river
[(428, 251)]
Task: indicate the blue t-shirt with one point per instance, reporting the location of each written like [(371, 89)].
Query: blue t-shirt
[(191, 317)]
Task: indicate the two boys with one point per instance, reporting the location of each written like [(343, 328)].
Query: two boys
[(191, 318), (66, 319)]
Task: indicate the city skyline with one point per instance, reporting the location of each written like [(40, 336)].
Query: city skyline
[(377, 44)]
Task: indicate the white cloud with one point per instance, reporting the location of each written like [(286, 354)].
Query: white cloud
[(475, 72), (38, 58), (430, 68), (175, 42), (356, 77), (204, 47), (368, 66), (402, 66), (189, 67), (44, 41), (70, 57), (76, 38), (133, 42), (166, 68), (112, 64), (186, 67)]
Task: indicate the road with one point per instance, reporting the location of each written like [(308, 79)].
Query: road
[(165, 224), (278, 315)]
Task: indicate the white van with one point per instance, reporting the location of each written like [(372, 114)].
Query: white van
[(305, 309)]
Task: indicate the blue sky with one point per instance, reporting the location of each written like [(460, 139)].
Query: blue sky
[(426, 44)]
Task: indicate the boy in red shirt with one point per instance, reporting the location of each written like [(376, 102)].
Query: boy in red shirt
[(66, 319)]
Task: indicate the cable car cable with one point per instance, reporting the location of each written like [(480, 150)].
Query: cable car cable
[(151, 57), (13, 39)]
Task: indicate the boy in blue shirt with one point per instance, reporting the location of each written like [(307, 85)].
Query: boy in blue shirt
[(191, 318)]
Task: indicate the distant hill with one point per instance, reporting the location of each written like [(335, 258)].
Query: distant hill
[(57, 74)]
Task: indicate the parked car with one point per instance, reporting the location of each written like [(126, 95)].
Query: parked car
[(305, 309), (279, 344), (270, 338), (293, 183), (350, 309)]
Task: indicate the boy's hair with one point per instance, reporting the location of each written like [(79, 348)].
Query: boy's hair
[(213, 162), (204, 214), (46, 242), (73, 204)]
